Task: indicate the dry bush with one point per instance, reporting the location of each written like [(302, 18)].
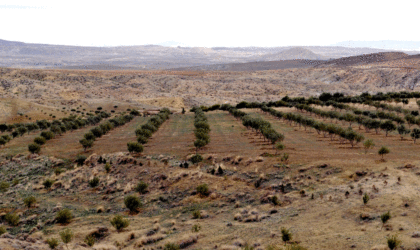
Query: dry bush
[(145, 240), (188, 240)]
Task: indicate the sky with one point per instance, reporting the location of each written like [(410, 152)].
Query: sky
[(204, 23)]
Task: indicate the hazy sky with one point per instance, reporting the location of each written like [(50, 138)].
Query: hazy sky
[(207, 23)]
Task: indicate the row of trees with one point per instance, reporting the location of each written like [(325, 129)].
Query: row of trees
[(19, 129), (387, 126), (258, 125), (330, 130), (66, 124), (98, 131), (202, 129), (145, 131)]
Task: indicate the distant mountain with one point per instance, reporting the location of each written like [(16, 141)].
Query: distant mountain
[(45, 56), (384, 44), (292, 54), (364, 59)]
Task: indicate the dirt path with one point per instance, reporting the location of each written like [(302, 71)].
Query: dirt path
[(174, 137)]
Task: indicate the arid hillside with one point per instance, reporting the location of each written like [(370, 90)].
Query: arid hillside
[(393, 72)]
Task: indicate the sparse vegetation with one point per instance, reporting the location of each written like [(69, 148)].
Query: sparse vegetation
[(385, 217), (66, 236), (365, 198), (29, 201), (393, 242), (89, 240), (119, 222), (203, 189), (383, 151), (2, 230), (12, 219), (64, 216), (286, 235), (141, 187), (94, 182), (52, 243), (4, 186), (171, 246), (132, 202), (48, 183)]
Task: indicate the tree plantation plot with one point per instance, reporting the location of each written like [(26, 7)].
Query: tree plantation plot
[(326, 172)]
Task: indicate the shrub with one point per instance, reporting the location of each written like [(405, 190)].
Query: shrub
[(48, 135), (58, 171), (286, 235), (94, 182), (66, 236), (368, 144), (142, 187), (275, 200), (64, 216), (4, 186), (171, 246), (29, 201), (203, 189), (196, 228), (89, 136), (365, 198), (2, 230), (47, 183), (86, 143), (119, 222), (385, 217), (52, 243), (134, 147), (34, 148), (142, 139), (107, 167), (196, 214), (15, 182), (196, 159), (90, 240), (393, 242), (80, 159), (12, 219), (40, 140), (132, 202), (383, 151)]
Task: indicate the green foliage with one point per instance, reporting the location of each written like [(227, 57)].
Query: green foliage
[(141, 187), (40, 140), (203, 189), (107, 167), (383, 151), (66, 236), (134, 147), (119, 222), (132, 202), (48, 183), (142, 139), (90, 240), (171, 246), (365, 198), (4, 186), (385, 217), (94, 182), (48, 135), (34, 148), (80, 159), (279, 146), (286, 235), (285, 157), (393, 242), (12, 219), (196, 159), (196, 214), (2, 230), (29, 201), (52, 243), (64, 216), (368, 144), (295, 247), (195, 228), (415, 134), (86, 143)]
